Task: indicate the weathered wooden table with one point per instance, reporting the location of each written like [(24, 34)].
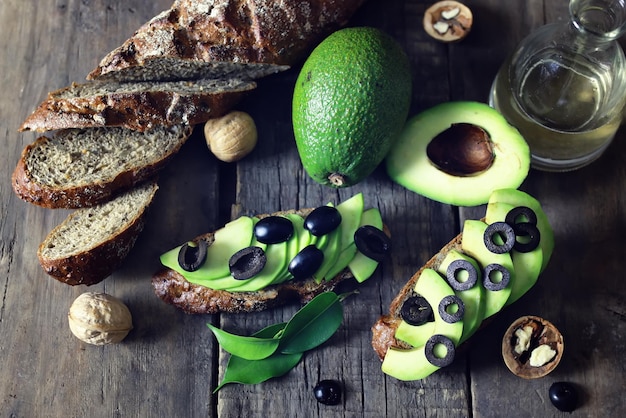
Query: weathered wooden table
[(170, 363)]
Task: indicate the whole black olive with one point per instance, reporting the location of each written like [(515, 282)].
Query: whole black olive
[(416, 311), (372, 242), (328, 392), (247, 262), (322, 220), (306, 262), (273, 230), (563, 396), (191, 256)]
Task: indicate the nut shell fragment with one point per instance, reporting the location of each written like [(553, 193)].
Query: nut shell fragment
[(99, 319), (448, 21), (532, 347)]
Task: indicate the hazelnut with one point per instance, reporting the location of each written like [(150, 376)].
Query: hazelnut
[(448, 21), (99, 319), (532, 347), (232, 136)]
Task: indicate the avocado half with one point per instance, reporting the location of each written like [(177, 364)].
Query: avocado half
[(459, 153)]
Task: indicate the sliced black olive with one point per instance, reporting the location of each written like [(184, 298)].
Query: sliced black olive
[(526, 214), (503, 231), (372, 242), (191, 256), (306, 262), (328, 392), (504, 277), (429, 350), (247, 262), (322, 220), (416, 311), (273, 230), (563, 396), (529, 235), (451, 317), (452, 274)]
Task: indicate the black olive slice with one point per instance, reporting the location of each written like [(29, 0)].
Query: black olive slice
[(191, 256), (489, 283), (247, 262), (306, 262), (521, 212), (506, 235), (273, 230), (451, 317), (416, 311), (429, 350), (530, 237), (452, 275), (322, 220), (372, 242)]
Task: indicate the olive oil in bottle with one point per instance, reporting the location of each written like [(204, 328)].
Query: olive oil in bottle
[(564, 88)]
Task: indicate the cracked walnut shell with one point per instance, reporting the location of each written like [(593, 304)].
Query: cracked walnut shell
[(99, 319)]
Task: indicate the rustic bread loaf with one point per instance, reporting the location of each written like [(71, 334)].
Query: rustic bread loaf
[(92, 242), (136, 105), (235, 31), (83, 167)]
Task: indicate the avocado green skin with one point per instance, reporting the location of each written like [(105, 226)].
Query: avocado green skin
[(350, 102), (408, 164)]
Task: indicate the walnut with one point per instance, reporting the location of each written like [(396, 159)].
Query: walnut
[(99, 319), (532, 347), (232, 136), (448, 21)]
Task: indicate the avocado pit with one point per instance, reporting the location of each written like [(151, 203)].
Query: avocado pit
[(464, 149)]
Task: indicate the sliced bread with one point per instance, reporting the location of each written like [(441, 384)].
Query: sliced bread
[(136, 105), (83, 167), (235, 31), (92, 242)]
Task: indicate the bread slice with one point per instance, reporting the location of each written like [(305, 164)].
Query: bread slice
[(174, 289), (136, 105), (83, 167), (226, 31), (92, 242)]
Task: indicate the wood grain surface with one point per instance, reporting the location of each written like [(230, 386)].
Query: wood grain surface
[(170, 363)]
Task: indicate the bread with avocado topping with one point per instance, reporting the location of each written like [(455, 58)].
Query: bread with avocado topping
[(459, 289), (205, 290)]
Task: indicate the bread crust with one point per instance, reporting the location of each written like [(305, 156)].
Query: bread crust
[(97, 263), (55, 197), (239, 31), (138, 111)]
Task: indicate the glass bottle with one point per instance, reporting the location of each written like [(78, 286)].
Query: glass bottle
[(564, 87)]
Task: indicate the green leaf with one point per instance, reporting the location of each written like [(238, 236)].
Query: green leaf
[(249, 348), (313, 324), (239, 370)]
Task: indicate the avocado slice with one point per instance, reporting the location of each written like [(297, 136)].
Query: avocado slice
[(474, 298), (361, 266), (433, 288), (299, 240), (331, 253), (516, 197), (472, 244), (412, 364), (527, 265), (351, 212), (409, 164), (229, 239)]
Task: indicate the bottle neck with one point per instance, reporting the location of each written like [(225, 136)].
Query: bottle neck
[(602, 20)]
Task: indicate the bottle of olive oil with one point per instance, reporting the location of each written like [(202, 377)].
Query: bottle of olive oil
[(564, 88)]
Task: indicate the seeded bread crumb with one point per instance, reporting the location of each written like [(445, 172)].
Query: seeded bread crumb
[(92, 242)]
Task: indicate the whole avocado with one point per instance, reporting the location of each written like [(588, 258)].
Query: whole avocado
[(351, 100)]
